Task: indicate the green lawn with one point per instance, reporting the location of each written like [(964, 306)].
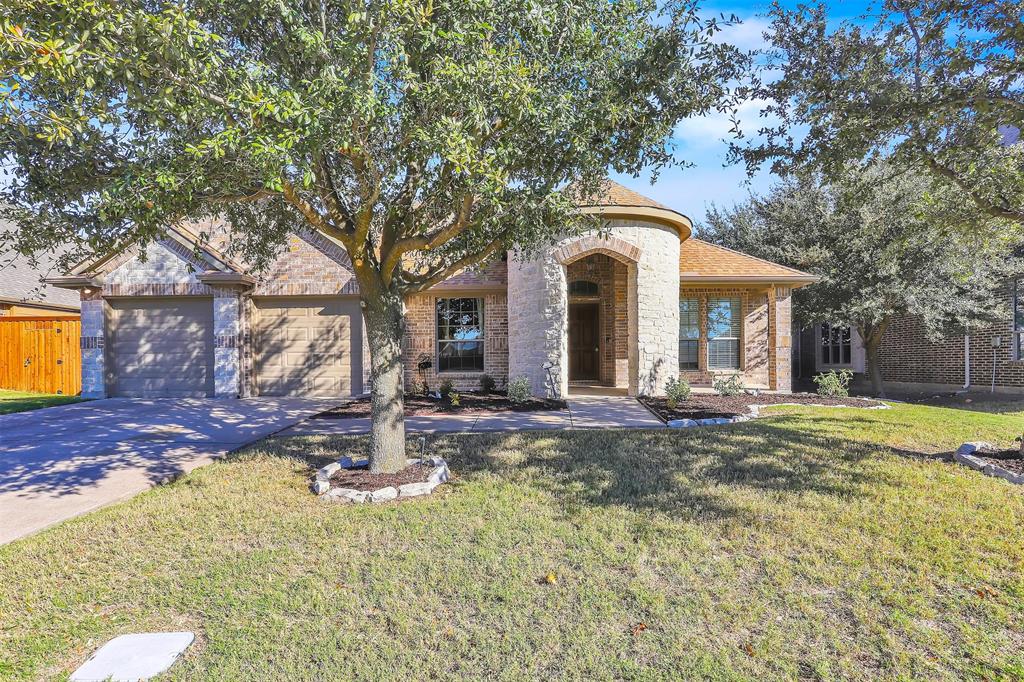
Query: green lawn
[(22, 401), (814, 544)]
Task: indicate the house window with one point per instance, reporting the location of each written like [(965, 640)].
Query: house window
[(1018, 320), (460, 335), (689, 332), (835, 345), (724, 333), (582, 287)]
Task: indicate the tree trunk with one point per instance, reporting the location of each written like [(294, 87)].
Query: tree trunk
[(384, 316), (872, 343)]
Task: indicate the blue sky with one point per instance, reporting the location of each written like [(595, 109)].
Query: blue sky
[(701, 140)]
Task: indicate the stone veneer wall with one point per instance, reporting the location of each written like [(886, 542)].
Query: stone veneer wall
[(421, 339), (93, 345), (538, 305), (227, 327)]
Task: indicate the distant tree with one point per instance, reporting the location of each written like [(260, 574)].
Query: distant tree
[(933, 85), (424, 136), (872, 239)]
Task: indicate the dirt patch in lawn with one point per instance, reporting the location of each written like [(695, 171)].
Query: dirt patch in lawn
[(714, 406), (360, 478), (1007, 459), (419, 405)]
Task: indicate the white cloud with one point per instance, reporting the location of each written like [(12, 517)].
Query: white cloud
[(747, 36), (709, 131)]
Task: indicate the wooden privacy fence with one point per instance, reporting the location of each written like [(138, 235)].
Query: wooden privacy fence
[(41, 354)]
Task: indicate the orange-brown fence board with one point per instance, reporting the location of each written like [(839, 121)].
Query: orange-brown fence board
[(41, 354)]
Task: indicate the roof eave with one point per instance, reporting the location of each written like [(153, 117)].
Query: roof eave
[(40, 304), (662, 216), (74, 282), (795, 281)]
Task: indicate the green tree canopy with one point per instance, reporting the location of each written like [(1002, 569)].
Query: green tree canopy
[(933, 85), (873, 240), (423, 135)]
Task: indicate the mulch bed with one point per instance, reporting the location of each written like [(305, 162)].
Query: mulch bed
[(418, 405), (1007, 459), (360, 478), (714, 406)]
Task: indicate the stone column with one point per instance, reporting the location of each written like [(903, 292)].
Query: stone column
[(94, 318), (538, 321), (226, 347), (780, 342)]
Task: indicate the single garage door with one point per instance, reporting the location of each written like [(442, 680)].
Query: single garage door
[(309, 346), (161, 348)]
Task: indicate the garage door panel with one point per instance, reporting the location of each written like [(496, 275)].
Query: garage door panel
[(307, 346), (161, 347)]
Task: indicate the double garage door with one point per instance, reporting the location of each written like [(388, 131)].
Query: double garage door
[(164, 347)]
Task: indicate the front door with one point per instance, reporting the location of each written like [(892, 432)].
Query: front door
[(584, 344)]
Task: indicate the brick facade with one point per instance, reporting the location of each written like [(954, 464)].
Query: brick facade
[(611, 277), (908, 357)]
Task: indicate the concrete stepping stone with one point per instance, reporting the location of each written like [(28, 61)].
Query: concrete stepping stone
[(134, 657)]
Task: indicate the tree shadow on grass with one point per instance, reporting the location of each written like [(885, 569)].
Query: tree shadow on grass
[(688, 473)]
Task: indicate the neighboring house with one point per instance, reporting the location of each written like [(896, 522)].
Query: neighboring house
[(990, 356), (628, 307), (23, 292)]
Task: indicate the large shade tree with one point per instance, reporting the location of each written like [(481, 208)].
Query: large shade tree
[(933, 85), (874, 240), (423, 135)]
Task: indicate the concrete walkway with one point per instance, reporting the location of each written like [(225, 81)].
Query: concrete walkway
[(60, 462), (585, 412)]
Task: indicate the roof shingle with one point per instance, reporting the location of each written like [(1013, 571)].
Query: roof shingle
[(699, 260)]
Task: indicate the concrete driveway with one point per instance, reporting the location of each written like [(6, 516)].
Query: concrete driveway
[(60, 462)]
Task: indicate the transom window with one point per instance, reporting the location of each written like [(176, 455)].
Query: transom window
[(835, 345), (689, 332), (583, 287), (460, 335), (724, 333), (1018, 320)]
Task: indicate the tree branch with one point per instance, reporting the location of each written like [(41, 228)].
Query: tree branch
[(313, 217), (419, 284), (996, 210)]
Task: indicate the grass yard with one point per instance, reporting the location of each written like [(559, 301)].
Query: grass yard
[(815, 544), (22, 401)]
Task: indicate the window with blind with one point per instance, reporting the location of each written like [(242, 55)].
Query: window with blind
[(689, 332), (460, 335), (724, 333), (835, 345)]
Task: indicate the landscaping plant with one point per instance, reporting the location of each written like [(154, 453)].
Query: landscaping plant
[(423, 137), (729, 385), (446, 388), (487, 384), (518, 390), (834, 384), (677, 390)]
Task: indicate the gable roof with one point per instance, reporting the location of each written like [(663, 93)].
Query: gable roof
[(701, 261)]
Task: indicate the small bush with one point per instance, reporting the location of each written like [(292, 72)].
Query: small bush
[(446, 388), (519, 390), (454, 398), (834, 384), (676, 391), (729, 385), (487, 384)]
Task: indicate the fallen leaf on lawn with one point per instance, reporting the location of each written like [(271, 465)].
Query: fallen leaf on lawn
[(638, 628), (749, 649), (551, 578)]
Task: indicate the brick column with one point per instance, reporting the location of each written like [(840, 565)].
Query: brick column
[(94, 317), (226, 347), (780, 342)]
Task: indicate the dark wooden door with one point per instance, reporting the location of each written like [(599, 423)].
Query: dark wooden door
[(583, 342)]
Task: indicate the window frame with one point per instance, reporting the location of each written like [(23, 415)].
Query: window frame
[(736, 322), (843, 346), (438, 340), (696, 340), (1017, 319)]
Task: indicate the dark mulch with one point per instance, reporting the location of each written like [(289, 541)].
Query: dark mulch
[(713, 406), (418, 405), (1007, 459), (360, 478)]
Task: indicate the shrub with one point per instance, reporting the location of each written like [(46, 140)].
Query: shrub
[(454, 398), (519, 390), (728, 385), (834, 384), (487, 383), (676, 391), (446, 388)]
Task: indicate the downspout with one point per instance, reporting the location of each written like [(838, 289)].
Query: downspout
[(967, 362)]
